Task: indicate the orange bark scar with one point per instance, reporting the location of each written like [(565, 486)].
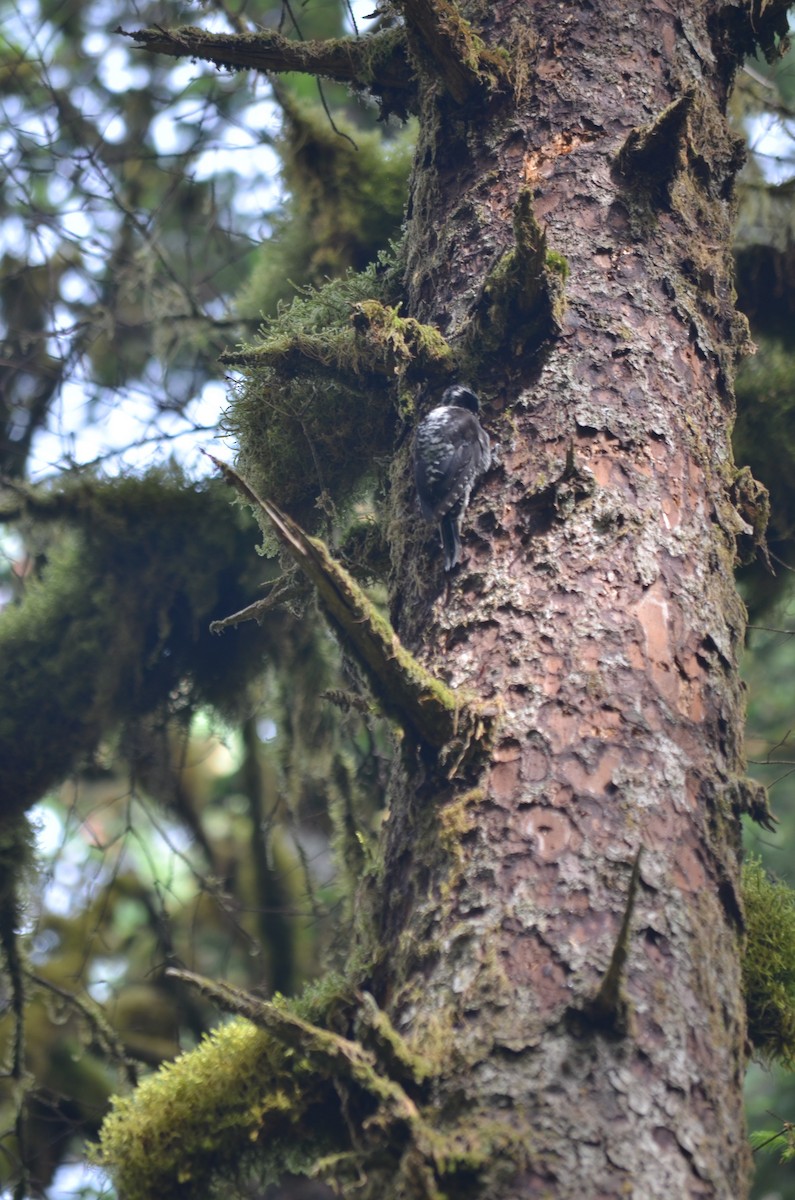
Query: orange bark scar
[(541, 162)]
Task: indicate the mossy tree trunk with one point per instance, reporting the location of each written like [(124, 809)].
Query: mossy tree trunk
[(598, 618), (555, 928)]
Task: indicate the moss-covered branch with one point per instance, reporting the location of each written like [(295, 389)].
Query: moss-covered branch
[(331, 1055), (438, 32), (239, 1092), (376, 341), (117, 620), (377, 1033), (377, 63), (282, 1092), (423, 705), (316, 407), (276, 1084)]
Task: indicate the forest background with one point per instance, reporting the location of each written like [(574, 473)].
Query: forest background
[(152, 211)]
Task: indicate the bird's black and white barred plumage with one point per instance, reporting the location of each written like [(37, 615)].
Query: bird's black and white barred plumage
[(451, 450)]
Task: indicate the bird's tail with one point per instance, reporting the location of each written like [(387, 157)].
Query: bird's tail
[(451, 540)]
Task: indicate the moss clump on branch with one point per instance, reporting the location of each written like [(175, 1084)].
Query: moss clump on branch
[(769, 964), (282, 1091), (406, 347), (116, 625), (316, 406), (202, 1115), (426, 708), (249, 1094)]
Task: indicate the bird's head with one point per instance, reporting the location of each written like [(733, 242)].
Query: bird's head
[(460, 397)]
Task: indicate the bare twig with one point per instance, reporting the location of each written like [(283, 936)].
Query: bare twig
[(93, 1014)]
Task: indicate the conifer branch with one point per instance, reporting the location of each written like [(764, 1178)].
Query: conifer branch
[(377, 63), (423, 705)]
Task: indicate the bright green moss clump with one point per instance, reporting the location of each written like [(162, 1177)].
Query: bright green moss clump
[(769, 963), (316, 407), (197, 1116), (243, 1100)]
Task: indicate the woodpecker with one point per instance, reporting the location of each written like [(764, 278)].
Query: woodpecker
[(451, 450)]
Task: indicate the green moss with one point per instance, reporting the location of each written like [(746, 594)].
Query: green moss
[(557, 263), (475, 1145), (409, 348), (424, 706), (316, 407), (769, 964), (522, 298), (390, 1048), (309, 416), (463, 60), (116, 623), (363, 548), (457, 818), (240, 1091), (262, 1096), (287, 1093), (198, 1116)]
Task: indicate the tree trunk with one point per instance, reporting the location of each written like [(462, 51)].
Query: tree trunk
[(598, 619)]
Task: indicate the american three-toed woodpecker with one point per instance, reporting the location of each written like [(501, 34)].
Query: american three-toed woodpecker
[(451, 449)]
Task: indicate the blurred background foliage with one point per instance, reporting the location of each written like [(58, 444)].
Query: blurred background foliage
[(763, 109), (222, 801), (218, 803)]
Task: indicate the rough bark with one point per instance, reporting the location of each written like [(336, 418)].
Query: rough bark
[(604, 627)]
